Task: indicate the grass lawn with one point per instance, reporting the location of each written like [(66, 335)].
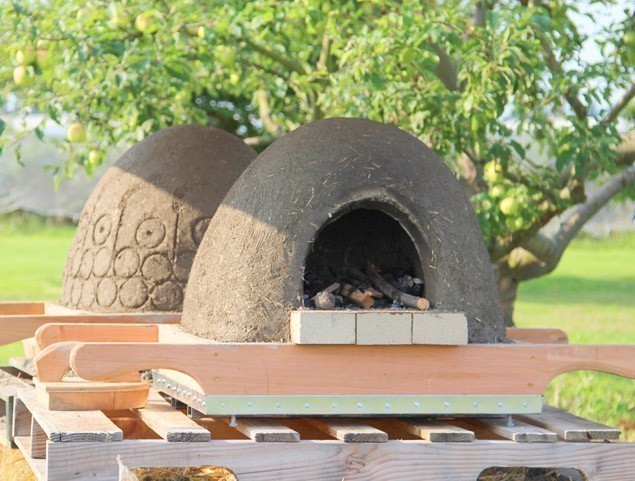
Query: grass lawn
[(591, 296)]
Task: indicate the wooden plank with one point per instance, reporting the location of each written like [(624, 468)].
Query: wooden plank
[(56, 332), (435, 431), (334, 460), (570, 427), (21, 308), (91, 396), (265, 430), (38, 466), (349, 430), (38, 440), (170, 424), (69, 426), (538, 335), (16, 328), (519, 432), (271, 368), (21, 422)]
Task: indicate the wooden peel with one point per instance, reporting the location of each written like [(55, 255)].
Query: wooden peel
[(289, 369), (58, 332), (16, 328)]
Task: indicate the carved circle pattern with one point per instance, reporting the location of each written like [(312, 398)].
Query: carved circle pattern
[(150, 233), (102, 229)]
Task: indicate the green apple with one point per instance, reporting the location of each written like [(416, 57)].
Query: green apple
[(120, 18), (95, 157), (629, 38), (76, 133), (148, 21), (496, 191), (509, 206), (43, 59), (493, 172), (26, 56), (201, 31), (225, 55), (23, 76)]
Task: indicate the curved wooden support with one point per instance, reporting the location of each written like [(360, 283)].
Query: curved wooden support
[(16, 328), (53, 333), (538, 335), (53, 362), (266, 368)]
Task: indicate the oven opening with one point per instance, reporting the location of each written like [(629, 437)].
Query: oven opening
[(362, 259)]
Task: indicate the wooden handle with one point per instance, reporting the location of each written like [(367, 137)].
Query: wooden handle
[(263, 368), (16, 328), (58, 332), (538, 336), (53, 362)]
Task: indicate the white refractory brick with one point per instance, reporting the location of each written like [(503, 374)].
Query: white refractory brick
[(323, 327), (384, 327), (446, 328)]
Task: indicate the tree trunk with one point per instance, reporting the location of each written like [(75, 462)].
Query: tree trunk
[(507, 288)]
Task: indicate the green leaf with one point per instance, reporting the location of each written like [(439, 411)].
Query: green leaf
[(180, 70), (3, 125)]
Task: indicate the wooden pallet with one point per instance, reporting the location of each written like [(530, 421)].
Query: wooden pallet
[(78, 446)]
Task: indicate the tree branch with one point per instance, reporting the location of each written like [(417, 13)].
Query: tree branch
[(555, 66), (572, 225), (291, 64), (264, 112), (620, 105)]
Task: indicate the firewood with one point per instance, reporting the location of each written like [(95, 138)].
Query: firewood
[(361, 299), (391, 291)]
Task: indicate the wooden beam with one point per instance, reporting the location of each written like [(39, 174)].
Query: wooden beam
[(69, 426), (329, 460), (538, 336), (266, 368), (170, 424), (57, 332), (518, 431), (265, 430), (21, 308), (349, 430), (435, 431), (16, 328), (38, 466), (570, 427)]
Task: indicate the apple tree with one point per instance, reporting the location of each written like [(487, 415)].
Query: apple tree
[(500, 90)]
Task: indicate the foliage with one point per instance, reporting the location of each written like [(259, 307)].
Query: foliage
[(490, 86)]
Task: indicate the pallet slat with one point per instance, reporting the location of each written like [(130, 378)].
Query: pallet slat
[(570, 427), (170, 424), (330, 460), (519, 432), (68, 426), (435, 431), (349, 430), (265, 430)]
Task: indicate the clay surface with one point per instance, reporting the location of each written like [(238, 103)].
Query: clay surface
[(248, 273), (141, 227)]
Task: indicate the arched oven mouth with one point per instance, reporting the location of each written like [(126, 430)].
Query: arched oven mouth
[(363, 258)]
